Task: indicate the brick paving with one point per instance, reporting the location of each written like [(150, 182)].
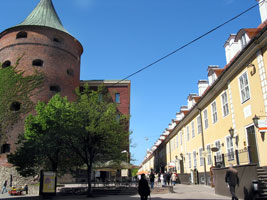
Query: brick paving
[(185, 192)]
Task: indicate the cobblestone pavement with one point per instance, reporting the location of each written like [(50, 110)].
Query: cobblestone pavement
[(185, 192)]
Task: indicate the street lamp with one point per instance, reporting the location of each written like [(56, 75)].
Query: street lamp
[(231, 131), (256, 121), (127, 154)]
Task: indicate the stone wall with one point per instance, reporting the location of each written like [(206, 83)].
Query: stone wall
[(17, 180), (246, 174)]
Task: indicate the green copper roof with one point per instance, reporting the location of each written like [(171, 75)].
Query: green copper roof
[(44, 14)]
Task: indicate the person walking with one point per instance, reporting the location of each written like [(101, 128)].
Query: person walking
[(152, 179), (232, 179), (173, 177), (168, 177), (165, 178), (4, 190), (143, 188), (162, 179)]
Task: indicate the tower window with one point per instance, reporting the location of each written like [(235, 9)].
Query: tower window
[(38, 63), (70, 72), (57, 40), (22, 34), (55, 88), (5, 148), (15, 106), (6, 64)]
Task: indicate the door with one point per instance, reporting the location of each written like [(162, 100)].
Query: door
[(182, 166), (252, 144)]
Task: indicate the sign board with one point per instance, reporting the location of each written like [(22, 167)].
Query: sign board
[(124, 172), (48, 182), (262, 124)]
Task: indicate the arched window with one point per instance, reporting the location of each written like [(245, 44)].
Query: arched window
[(5, 148), (70, 72), (6, 64), (15, 106), (55, 88), (38, 63), (22, 34)]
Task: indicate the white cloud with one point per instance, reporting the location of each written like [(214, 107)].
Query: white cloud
[(229, 2), (83, 3)]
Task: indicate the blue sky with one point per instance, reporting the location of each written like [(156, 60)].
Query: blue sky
[(121, 36)]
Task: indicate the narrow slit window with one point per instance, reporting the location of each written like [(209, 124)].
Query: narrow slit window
[(38, 63), (22, 34), (70, 72), (55, 88), (6, 64), (57, 40)]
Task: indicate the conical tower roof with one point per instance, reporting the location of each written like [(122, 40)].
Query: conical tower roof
[(44, 14)]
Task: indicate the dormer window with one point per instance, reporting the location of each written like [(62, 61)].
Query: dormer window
[(21, 34), (243, 41)]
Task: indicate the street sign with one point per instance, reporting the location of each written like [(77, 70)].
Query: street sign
[(262, 124)]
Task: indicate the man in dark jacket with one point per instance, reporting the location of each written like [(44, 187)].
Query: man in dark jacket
[(143, 188), (232, 179), (152, 179)]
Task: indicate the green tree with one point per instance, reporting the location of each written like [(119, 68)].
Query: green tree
[(15, 92), (89, 130), (42, 145), (101, 132)]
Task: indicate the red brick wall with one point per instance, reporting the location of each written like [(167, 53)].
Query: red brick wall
[(57, 57), (124, 105)]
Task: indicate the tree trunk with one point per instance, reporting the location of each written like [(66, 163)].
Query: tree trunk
[(89, 180)]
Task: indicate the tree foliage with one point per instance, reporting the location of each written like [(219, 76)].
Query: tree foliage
[(16, 88), (43, 144), (89, 130), (101, 132)]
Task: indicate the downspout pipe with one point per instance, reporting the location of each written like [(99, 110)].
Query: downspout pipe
[(203, 146)]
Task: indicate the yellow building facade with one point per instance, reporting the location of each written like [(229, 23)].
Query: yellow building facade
[(218, 129)]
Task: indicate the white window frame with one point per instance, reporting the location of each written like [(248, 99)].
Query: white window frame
[(209, 161), (201, 158), (189, 160), (188, 133), (225, 106), (230, 148), (219, 152), (245, 88), (214, 112), (206, 121), (195, 159), (193, 129), (198, 124)]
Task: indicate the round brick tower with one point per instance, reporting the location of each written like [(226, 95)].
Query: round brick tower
[(47, 47)]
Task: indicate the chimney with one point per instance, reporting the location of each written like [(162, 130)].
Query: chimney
[(263, 10), (202, 86)]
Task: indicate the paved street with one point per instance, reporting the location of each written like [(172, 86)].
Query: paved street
[(186, 192)]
